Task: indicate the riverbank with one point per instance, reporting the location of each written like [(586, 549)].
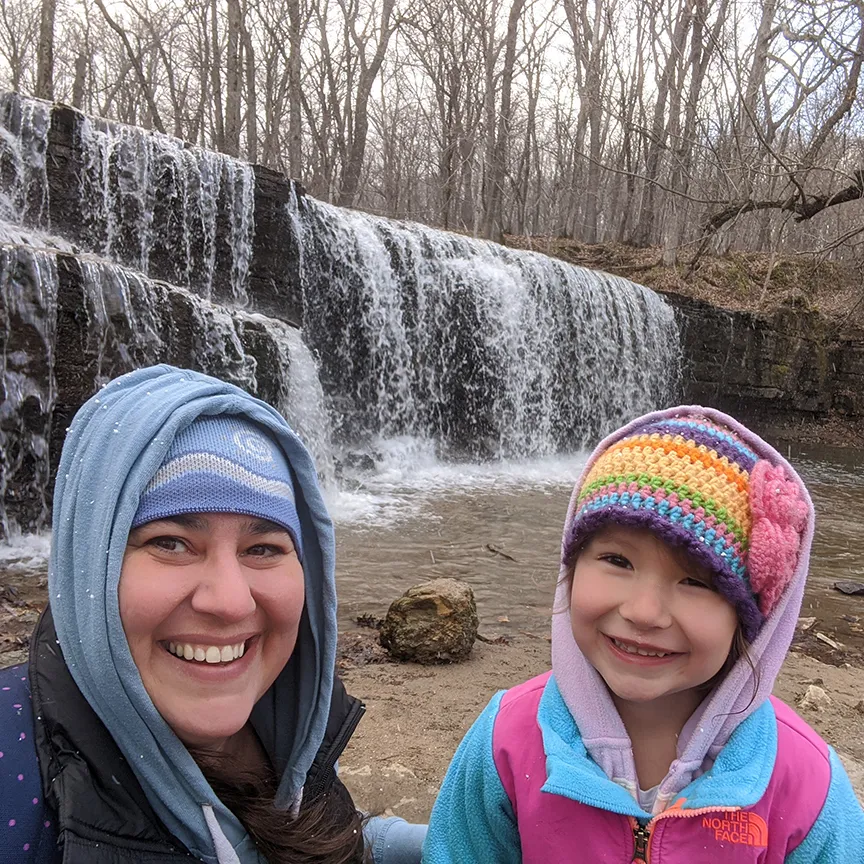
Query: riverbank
[(416, 715), (738, 281)]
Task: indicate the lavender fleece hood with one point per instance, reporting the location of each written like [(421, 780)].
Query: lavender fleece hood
[(728, 705)]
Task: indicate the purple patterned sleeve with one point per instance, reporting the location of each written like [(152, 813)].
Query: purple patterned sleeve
[(27, 834)]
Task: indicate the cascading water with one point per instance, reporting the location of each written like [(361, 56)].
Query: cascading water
[(110, 319), (120, 248), (488, 351), (23, 146), (149, 198), (28, 324)]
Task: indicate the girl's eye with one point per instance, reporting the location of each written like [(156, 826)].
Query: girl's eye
[(699, 583), (173, 545), (615, 560)]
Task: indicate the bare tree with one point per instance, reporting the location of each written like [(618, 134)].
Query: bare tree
[(691, 124), (45, 56)]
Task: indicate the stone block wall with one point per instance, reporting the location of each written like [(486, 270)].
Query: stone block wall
[(766, 367)]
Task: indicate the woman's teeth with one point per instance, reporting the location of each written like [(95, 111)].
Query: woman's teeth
[(632, 649), (207, 653)]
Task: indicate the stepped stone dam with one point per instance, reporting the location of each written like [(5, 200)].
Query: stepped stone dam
[(121, 248)]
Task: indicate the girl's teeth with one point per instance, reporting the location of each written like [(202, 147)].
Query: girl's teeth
[(207, 653), (631, 649)]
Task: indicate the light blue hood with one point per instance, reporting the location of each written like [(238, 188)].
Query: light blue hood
[(115, 444)]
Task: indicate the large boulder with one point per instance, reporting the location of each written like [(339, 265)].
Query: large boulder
[(433, 622)]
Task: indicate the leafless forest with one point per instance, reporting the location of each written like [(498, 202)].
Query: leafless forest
[(688, 124)]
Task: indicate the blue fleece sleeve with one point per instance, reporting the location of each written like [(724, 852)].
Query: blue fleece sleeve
[(393, 840), (837, 835), (472, 820)]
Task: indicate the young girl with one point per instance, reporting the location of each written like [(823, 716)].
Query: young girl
[(655, 737)]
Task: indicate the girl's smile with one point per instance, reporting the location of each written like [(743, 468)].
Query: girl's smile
[(640, 652), (648, 619)]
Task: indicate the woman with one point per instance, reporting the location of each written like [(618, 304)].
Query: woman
[(180, 700)]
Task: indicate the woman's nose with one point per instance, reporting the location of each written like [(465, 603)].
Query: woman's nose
[(223, 590), (646, 606)]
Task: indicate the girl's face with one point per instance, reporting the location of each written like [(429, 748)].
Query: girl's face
[(646, 617), (211, 606)]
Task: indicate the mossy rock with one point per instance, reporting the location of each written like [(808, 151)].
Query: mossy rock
[(434, 622)]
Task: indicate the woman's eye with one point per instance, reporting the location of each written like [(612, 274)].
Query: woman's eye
[(168, 544), (267, 550)]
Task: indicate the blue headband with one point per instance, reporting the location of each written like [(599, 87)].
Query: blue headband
[(223, 464)]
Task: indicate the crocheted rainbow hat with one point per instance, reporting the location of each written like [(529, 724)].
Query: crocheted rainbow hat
[(698, 486)]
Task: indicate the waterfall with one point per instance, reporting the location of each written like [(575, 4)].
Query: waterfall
[(140, 190), (120, 248), (28, 288), (23, 146), (109, 320), (489, 351)]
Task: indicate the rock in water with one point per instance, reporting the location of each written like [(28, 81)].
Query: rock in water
[(850, 587), (433, 622)]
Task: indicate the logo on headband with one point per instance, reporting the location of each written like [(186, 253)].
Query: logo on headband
[(254, 445)]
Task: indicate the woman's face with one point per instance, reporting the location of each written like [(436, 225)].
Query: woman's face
[(211, 606)]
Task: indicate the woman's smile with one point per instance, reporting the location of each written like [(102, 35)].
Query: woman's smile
[(209, 654), (211, 606)]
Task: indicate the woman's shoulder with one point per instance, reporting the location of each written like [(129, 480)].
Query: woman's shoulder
[(26, 825)]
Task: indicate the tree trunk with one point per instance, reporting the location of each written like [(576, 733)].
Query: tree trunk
[(231, 144), (360, 115), (80, 82), (493, 220), (295, 129), (216, 80), (251, 100), (45, 54), (135, 60), (648, 221)]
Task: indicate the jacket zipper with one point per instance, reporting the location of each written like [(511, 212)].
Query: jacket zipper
[(641, 836), (642, 833), (337, 747)]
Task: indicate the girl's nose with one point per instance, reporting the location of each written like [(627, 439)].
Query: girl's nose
[(223, 590), (646, 606)]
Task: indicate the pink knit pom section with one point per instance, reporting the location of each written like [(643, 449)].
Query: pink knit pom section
[(779, 516)]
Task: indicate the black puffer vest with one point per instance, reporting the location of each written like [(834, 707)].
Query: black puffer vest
[(102, 815)]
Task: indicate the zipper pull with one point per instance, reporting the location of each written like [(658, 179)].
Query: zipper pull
[(641, 836)]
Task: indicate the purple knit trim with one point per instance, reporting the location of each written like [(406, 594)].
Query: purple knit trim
[(735, 590), (721, 446)]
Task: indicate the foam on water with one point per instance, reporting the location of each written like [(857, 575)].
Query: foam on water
[(408, 478), (24, 553)]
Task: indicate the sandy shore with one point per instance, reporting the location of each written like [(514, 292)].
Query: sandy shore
[(416, 715)]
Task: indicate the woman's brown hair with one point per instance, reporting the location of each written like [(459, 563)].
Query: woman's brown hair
[(328, 830)]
